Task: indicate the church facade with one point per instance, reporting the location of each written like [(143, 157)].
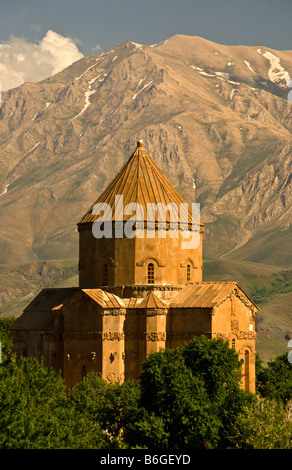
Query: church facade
[(140, 287)]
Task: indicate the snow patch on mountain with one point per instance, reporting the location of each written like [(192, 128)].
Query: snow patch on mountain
[(94, 79), (87, 94), (89, 68), (137, 45), (277, 74), (208, 74), (39, 114), (196, 68), (145, 86), (222, 75), (232, 93), (5, 190), (141, 81), (249, 66)]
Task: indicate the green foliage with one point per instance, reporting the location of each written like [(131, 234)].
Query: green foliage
[(263, 425), (5, 323), (35, 412), (220, 369), (275, 380), (111, 406), (171, 393), (186, 398), (193, 393), (215, 362)]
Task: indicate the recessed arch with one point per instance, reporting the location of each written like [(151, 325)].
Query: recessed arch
[(187, 261), (147, 260), (107, 260)]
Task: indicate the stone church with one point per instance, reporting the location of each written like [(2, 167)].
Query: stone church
[(138, 291)]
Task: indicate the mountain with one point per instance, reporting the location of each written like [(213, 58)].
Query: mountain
[(215, 118)]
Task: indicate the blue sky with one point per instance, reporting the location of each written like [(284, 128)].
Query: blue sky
[(109, 22), (39, 37)]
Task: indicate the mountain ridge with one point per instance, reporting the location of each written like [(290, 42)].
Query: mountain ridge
[(215, 118)]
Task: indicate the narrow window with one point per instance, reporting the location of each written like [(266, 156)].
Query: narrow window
[(246, 370), (83, 372), (150, 273), (188, 273), (105, 275), (233, 343)]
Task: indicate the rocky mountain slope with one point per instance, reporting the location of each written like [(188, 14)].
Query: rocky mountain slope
[(216, 119)]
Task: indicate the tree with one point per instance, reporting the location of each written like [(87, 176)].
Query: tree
[(275, 380), (194, 392), (262, 425), (113, 407), (219, 367), (35, 412), (170, 391), (6, 343)]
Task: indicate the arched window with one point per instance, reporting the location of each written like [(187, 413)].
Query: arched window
[(105, 275), (188, 273), (150, 273), (233, 343)]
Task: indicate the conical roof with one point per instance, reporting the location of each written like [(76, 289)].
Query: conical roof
[(141, 181)]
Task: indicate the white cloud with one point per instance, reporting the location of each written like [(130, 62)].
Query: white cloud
[(35, 27), (22, 61), (96, 48)]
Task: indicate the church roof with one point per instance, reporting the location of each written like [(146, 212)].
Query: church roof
[(206, 295), (104, 299), (152, 301), (38, 314), (140, 181)]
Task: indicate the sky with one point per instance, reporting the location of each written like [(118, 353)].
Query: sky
[(41, 37)]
